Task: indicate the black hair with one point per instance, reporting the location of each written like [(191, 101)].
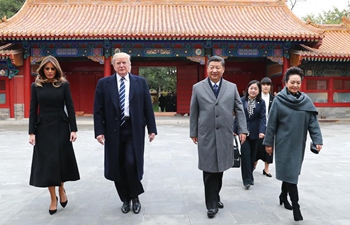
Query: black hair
[(216, 58), (266, 80), (293, 71), (258, 97)]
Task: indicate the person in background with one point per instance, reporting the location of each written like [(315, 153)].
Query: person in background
[(243, 93), (261, 152), (213, 103), (255, 109), (52, 131), (122, 109), (162, 104), (291, 117)]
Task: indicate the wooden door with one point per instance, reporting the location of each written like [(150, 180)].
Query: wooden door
[(83, 86)]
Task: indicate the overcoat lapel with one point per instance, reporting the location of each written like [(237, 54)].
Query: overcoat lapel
[(113, 91), (223, 88), (208, 89), (133, 86)]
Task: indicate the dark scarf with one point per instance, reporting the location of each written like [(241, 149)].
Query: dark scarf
[(300, 101)]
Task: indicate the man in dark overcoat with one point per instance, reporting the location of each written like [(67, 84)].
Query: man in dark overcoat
[(214, 103), (122, 109)]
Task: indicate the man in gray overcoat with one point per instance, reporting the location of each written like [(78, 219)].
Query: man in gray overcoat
[(214, 104)]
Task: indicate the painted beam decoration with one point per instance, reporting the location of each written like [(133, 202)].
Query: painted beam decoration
[(248, 50), (7, 69)]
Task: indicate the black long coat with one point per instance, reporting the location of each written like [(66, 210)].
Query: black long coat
[(53, 157), (107, 120)]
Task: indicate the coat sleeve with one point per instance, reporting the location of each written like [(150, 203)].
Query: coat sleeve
[(33, 111), (262, 117), (99, 110), (70, 107), (194, 113), (314, 130), (271, 125), (148, 109), (240, 114)]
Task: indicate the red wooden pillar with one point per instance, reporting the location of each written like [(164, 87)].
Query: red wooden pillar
[(330, 90), (206, 58), (107, 67), (26, 83), (11, 98), (286, 65)]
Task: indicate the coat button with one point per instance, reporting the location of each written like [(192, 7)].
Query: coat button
[(115, 130), (116, 118)]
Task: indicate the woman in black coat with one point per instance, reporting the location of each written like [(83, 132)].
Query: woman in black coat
[(52, 131), (255, 109)]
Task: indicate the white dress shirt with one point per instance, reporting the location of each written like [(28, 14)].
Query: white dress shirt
[(127, 90), (212, 84), (266, 98)]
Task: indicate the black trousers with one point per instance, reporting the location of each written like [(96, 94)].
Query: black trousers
[(212, 187), (129, 186), (248, 154)]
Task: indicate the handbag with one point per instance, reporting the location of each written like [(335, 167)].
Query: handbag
[(313, 148), (236, 154)]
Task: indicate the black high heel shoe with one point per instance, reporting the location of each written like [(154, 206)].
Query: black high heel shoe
[(296, 213), (63, 204), (54, 210), (267, 174), (283, 199)]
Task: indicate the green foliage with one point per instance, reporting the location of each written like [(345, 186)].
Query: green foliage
[(160, 78), (9, 8), (333, 16)]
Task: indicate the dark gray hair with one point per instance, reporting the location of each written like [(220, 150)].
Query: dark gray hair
[(216, 58)]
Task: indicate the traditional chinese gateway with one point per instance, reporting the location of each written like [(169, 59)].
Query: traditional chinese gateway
[(257, 38)]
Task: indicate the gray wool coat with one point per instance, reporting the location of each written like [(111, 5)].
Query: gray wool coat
[(290, 119), (212, 120)]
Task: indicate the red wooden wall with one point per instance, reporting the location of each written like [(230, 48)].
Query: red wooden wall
[(187, 76), (83, 86), (83, 77), (241, 73)]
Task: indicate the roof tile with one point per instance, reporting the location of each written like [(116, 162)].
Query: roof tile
[(335, 43), (233, 19)]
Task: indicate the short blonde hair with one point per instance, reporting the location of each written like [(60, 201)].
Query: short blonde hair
[(121, 55), (41, 78)]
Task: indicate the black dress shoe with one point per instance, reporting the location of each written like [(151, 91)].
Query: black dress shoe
[(220, 205), (126, 207), (212, 212), (247, 186), (54, 210), (136, 205), (63, 204), (267, 174)]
